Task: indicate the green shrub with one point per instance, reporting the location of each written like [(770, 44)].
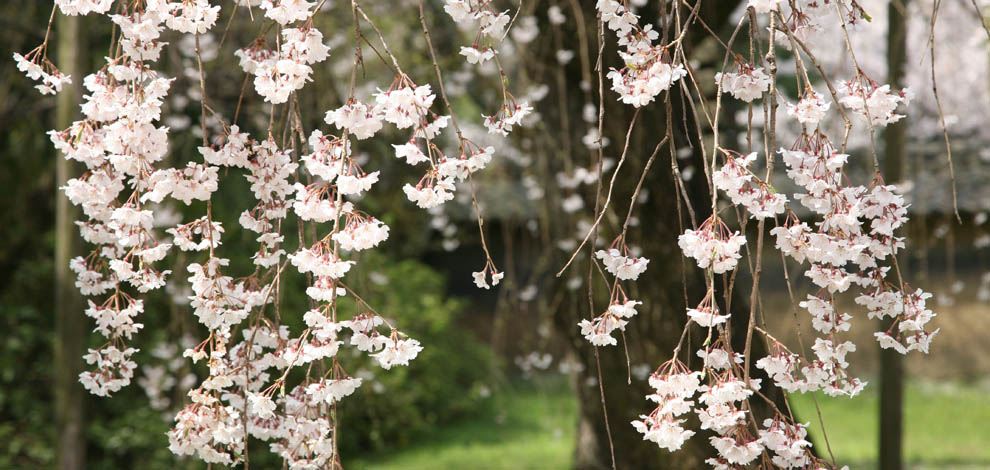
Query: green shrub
[(441, 384)]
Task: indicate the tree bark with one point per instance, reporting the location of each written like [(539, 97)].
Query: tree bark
[(891, 362), (69, 321)]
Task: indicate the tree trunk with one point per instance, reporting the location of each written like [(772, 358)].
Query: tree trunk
[(667, 286), (891, 366), (69, 320)]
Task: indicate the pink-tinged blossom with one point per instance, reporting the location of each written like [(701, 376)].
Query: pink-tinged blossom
[(623, 267), (507, 117), (431, 194), (287, 11), (712, 247), (810, 109), (764, 6), (865, 98), (410, 152), (748, 84), (735, 452), (83, 7), (331, 391), (114, 370), (397, 352), (321, 261), (475, 55), (598, 331), (356, 118), (746, 190), (361, 233), (674, 386), (191, 16), (405, 105)]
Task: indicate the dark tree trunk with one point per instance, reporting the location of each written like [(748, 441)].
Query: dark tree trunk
[(69, 318), (891, 366), (653, 334)]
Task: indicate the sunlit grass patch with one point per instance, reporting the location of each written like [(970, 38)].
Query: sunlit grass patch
[(946, 425), (527, 426)]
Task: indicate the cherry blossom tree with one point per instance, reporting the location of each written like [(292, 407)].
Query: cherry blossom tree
[(776, 132)]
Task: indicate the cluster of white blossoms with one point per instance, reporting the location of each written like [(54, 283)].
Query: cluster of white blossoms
[(707, 314), (361, 232), (810, 109), (511, 114), (83, 7), (785, 444), (247, 392), (872, 102), (397, 352), (674, 385), (812, 22), (284, 12), (406, 105), (844, 249), (908, 315), (477, 55), (469, 162), (191, 16), (489, 25), (648, 70), (39, 68), (746, 84), (855, 234), (296, 425), (114, 370), (746, 190), (626, 268), (113, 321), (481, 277), (332, 390), (598, 331), (724, 415), (620, 262), (713, 246), (720, 409), (430, 192), (479, 14), (827, 372), (278, 73), (119, 143), (358, 118)]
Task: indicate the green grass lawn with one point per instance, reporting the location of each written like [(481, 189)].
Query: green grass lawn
[(533, 430), (946, 427)]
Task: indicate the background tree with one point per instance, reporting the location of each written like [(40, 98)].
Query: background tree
[(891, 429), (68, 302), (663, 212)]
